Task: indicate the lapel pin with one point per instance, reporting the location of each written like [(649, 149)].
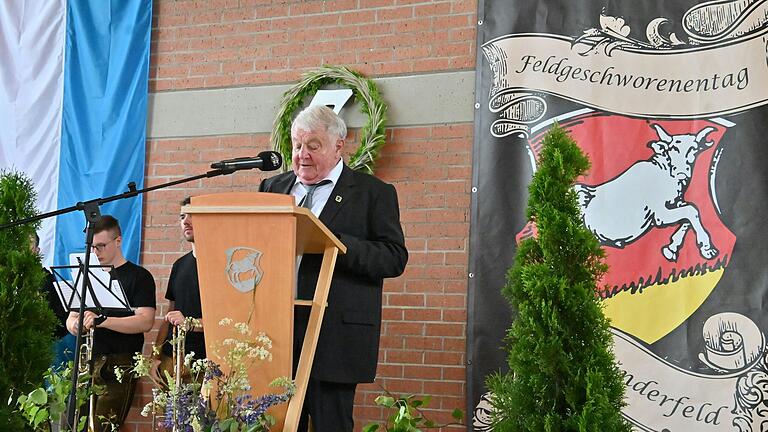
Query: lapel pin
[(338, 198)]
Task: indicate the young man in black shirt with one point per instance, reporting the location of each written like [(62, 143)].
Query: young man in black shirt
[(183, 295), (118, 334)]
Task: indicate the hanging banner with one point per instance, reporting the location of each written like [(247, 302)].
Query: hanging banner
[(670, 106), (73, 111)]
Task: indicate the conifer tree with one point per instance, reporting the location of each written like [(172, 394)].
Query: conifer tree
[(562, 374), (26, 321)]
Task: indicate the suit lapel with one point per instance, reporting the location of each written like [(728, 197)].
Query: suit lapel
[(340, 195), (284, 185)]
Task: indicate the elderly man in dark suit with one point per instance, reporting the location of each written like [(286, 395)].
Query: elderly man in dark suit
[(362, 211)]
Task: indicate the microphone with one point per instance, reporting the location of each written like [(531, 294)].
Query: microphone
[(265, 161)]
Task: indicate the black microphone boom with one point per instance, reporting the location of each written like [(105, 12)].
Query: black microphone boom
[(265, 161)]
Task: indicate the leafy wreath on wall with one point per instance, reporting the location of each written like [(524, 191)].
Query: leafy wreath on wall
[(364, 90)]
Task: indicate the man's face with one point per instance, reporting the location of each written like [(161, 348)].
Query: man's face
[(185, 221), (106, 245), (33, 245), (314, 154)]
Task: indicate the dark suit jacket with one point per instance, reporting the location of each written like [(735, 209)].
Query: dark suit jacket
[(363, 212)]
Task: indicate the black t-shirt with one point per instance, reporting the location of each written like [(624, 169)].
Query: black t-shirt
[(139, 287), (184, 290)]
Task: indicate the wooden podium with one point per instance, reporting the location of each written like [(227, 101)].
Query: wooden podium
[(246, 246)]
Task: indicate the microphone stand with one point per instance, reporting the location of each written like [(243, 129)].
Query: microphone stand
[(92, 212)]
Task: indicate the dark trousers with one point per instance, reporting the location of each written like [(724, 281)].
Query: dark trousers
[(329, 405), (113, 405)]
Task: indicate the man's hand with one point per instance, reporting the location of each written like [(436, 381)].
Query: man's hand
[(175, 317), (89, 319)]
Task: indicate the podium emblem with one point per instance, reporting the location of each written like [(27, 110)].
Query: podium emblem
[(243, 271)]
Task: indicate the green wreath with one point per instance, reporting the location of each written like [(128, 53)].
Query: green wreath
[(363, 89)]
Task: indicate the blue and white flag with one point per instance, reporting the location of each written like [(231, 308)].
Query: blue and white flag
[(73, 108)]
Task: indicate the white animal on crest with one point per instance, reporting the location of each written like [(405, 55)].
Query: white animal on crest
[(650, 194)]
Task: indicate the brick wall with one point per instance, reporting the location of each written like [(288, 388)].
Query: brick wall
[(224, 43), (231, 43)]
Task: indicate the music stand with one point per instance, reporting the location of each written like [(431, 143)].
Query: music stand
[(106, 294), (102, 293)]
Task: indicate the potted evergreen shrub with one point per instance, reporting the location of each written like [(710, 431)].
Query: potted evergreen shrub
[(562, 374), (26, 321)]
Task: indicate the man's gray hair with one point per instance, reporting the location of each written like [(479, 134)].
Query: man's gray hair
[(319, 117)]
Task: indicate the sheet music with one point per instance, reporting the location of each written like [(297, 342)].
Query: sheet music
[(108, 291), (110, 298), (99, 272)]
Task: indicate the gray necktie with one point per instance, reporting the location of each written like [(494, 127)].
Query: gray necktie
[(307, 201)]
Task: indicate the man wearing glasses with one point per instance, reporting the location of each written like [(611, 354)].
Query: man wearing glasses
[(118, 334)]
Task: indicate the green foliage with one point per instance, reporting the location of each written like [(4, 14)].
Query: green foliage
[(563, 374), (44, 406), (364, 90), (26, 321), (407, 415)]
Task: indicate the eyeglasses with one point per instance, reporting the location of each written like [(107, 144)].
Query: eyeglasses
[(100, 246)]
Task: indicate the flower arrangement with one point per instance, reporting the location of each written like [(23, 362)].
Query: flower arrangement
[(212, 400)]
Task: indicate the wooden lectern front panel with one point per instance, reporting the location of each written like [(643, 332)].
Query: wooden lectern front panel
[(246, 265)]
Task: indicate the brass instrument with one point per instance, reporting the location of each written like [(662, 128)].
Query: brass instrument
[(179, 349), (179, 338), (85, 369)]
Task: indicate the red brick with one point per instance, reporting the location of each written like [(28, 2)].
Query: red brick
[(392, 314), (393, 14), (446, 301), (405, 300), (443, 358), (446, 244), (459, 316), (424, 259), (361, 16), (422, 372), (400, 386), (422, 315), (433, 9), (405, 357), (445, 329), (400, 328), (423, 343)]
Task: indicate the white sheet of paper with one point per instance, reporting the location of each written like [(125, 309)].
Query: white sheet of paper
[(98, 272), (106, 298), (109, 298)]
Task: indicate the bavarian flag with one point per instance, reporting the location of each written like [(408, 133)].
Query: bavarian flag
[(73, 108)]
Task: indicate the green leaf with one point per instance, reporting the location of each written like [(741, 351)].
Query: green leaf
[(40, 417), (371, 427), (38, 396), (385, 401)]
